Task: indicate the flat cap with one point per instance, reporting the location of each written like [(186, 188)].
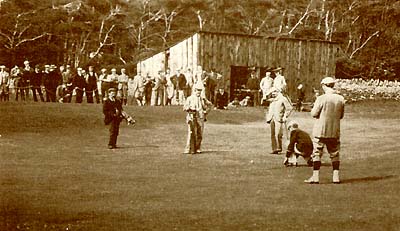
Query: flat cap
[(328, 80)]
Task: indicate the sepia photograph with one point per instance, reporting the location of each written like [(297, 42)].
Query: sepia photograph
[(199, 115)]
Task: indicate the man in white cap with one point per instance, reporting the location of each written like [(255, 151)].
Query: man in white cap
[(278, 112), (328, 110), (197, 108)]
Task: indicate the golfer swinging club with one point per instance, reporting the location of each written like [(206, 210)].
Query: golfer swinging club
[(197, 108)]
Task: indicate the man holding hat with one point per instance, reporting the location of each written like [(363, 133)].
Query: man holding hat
[(113, 115), (328, 110), (278, 112), (197, 108)]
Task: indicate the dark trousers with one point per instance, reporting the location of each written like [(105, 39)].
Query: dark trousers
[(79, 96), (50, 94), (114, 130), (20, 91), (89, 95), (39, 91)]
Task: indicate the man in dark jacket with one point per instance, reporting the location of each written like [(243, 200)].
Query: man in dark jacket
[(79, 83), (36, 82), (113, 115), (91, 86), (300, 145), (221, 101)]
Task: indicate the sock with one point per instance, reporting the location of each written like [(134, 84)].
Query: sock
[(316, 165), (335, 165)]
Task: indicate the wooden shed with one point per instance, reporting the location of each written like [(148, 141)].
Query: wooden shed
[(305, 61)]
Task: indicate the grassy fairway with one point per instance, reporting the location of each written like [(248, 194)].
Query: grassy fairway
[(56, 172)]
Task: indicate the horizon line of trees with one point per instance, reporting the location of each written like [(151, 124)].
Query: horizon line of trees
[(122, 32)]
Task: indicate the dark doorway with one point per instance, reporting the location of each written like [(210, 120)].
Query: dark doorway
[(239, 76)]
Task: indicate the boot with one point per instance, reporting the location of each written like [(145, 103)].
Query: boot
[(335, 177), (314, 179)]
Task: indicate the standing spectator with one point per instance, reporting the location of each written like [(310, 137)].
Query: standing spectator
[(170, 87), (69, 88), (300, 97), (105, 84), (197, 108), (20, 83), (4, 84), (265, 85), (148, 85), (123, 86), (27, 73), (131, 90), (279, 80), (156, 90), (253, 84), (189, 82), (219, 84), (91, 85), (56, 82), (79, 83), (279, 110), (47, 82), (139, 88), (180, 87), (328, 110), (113, 78), (36, 82), (210, 85), (15, 74), (221, 101), (300, 145)]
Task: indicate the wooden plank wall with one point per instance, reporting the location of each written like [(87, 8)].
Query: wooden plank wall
[(305, 61)]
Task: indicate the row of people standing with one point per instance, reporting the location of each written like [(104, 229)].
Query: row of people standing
[(22, 81), (166, 88)]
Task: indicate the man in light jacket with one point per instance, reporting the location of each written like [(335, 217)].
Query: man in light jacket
[(328, 110), (279, 110)]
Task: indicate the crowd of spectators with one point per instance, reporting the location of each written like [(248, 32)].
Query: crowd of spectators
[(64, 84)]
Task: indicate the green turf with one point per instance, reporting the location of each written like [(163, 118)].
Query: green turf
[(56, 172)]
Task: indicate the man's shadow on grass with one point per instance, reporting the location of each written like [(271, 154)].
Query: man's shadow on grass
[(367, 179)]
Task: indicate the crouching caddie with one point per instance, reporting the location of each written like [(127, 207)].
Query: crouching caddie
[(300, 145)]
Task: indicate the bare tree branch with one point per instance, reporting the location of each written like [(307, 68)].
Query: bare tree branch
[(302, 17), (31, 39), (365, 43)]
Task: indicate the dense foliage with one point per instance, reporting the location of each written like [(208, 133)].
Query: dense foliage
[(120, 32)]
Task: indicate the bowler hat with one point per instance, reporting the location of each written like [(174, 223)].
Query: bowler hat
[(112, 89)]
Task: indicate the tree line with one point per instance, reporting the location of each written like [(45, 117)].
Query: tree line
[(121, 32)]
